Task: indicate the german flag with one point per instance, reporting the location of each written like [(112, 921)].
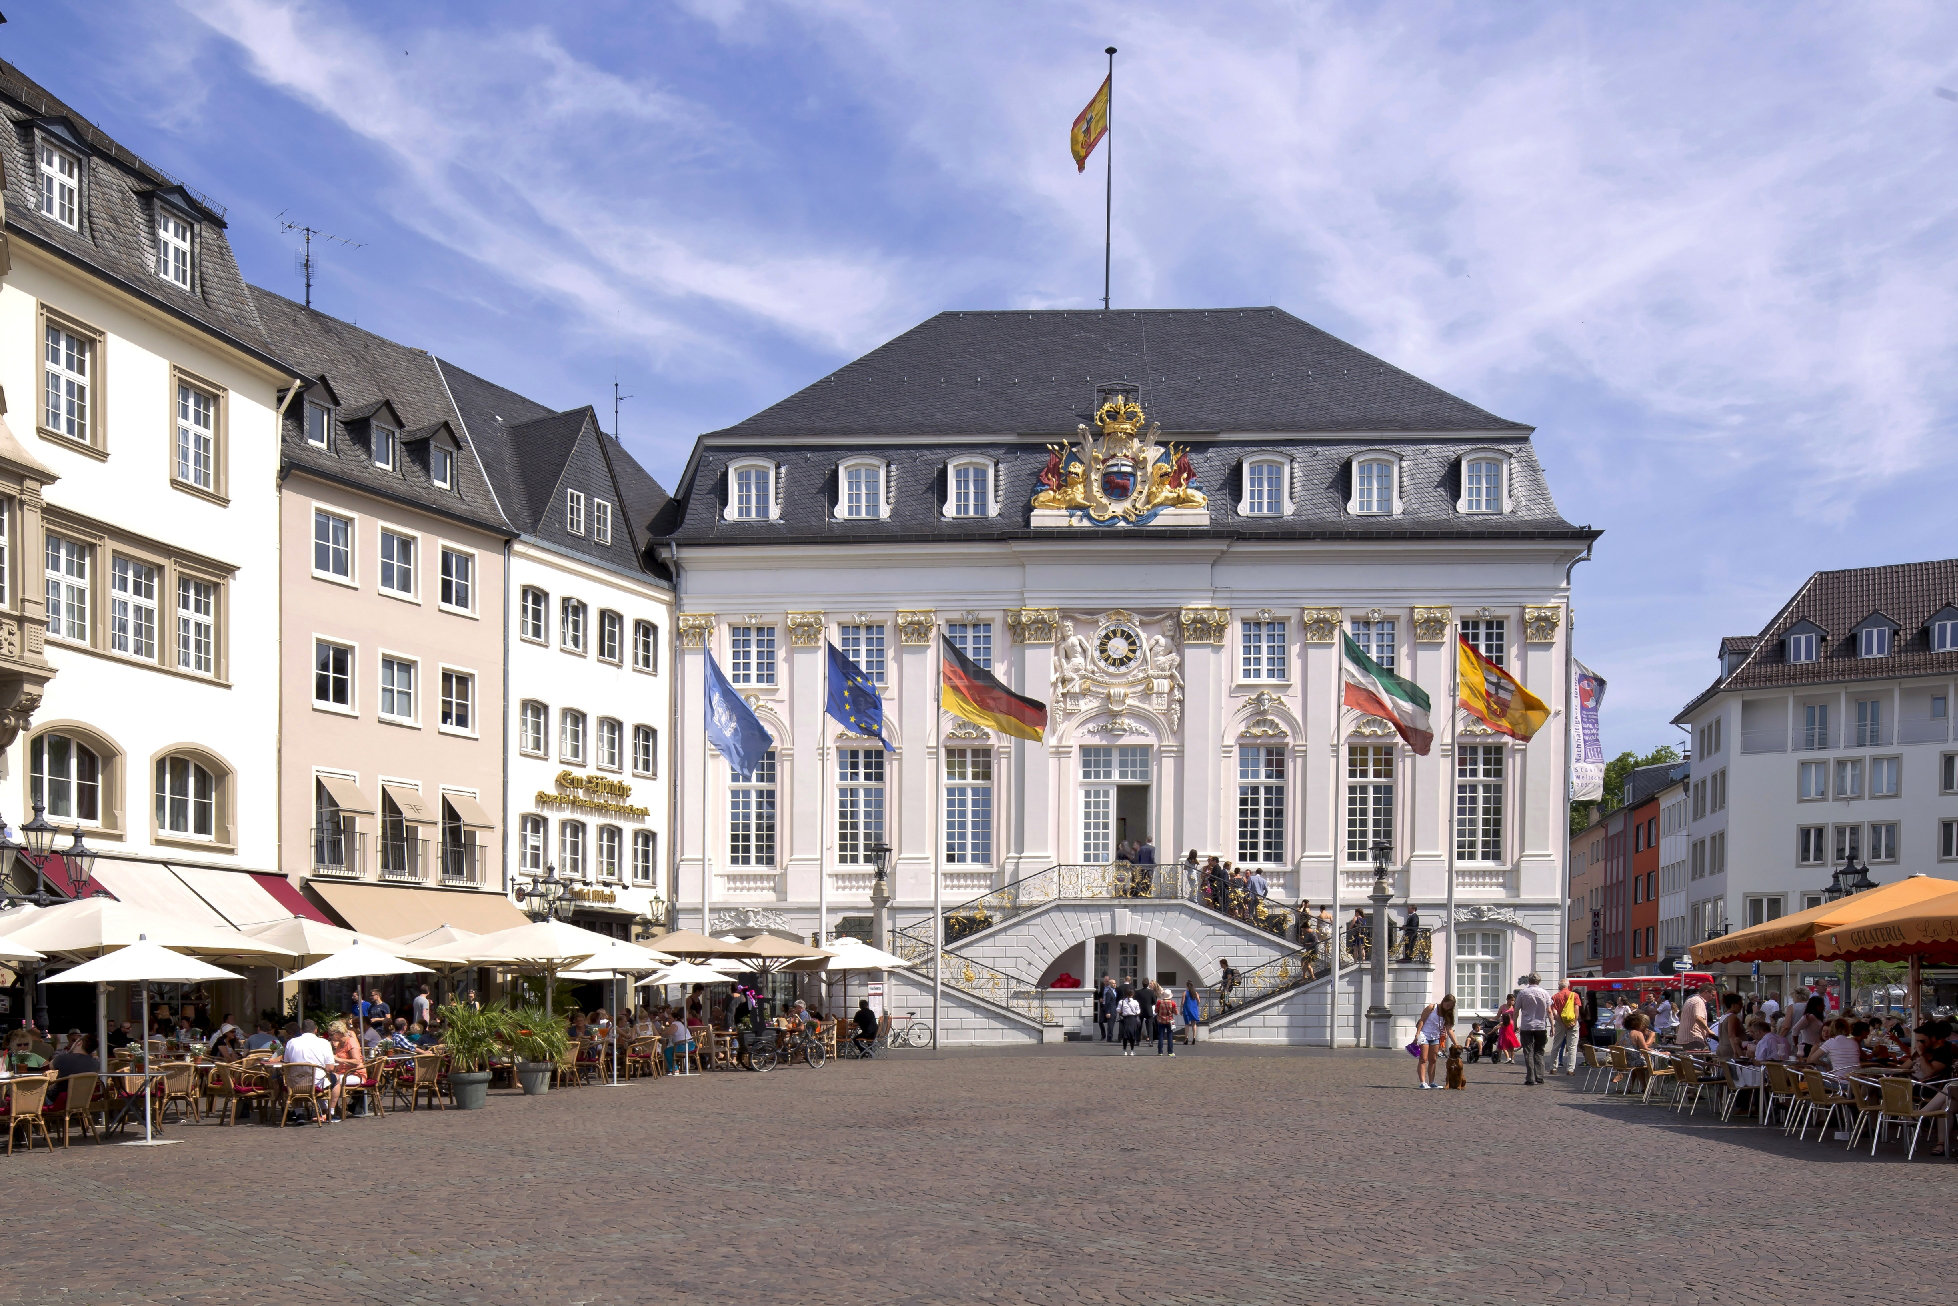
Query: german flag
[(974, 694)]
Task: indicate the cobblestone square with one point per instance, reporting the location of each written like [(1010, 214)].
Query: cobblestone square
[(1062, 1175)]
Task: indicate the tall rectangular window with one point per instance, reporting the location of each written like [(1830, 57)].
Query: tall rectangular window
[(1875, 642), (536, 607), (196, 437), (1886, 774), (1944, 636), (571, 625), (1883, 841), (1803, 647), (458, 579), (1849, 842), (611, 851), (1261, 804), (1264, 650), (132, 608), (974, 639), (333, 674), (1373, 486), (530, 845), (1488, 636), (571, 736), (1479, 970), (969, 806), (864, 645), (1811, 845), (385, 441), (1849, 778), (398, 563), (571, 849), (197, 603), (611, 637), (69, 365), (752, 494), (751, 655), (1815, 725), (574, 511), (611, 744), (458, 700), (332, 545), (862, 492), (645, 750), (1369, 800), (972, 490), (1869, 722), (441, 465), (318, 420), (398, 688), (601, 520), (60, 185), (533, 723), (173, 249), (1947, 839), (1376, 640), (67, 577), (1264, 489), (1479, 802), (645, 646), (1482, 485), (751, 816), (859, 803), (642, 856)]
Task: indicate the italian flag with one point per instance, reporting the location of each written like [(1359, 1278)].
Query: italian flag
[(1369, 688)]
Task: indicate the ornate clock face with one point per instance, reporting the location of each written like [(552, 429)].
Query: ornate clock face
[(1119, 646)]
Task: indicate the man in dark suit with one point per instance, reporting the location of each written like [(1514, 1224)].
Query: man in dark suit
[(1105, 1009)]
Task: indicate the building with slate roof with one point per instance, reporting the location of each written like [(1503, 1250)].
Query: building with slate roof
[(591, 614), (1158, 523), (1825, 737)]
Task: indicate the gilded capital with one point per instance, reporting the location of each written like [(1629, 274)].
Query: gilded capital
[(1540, 624), (1202, 625), (1033, 625), (915, 627), (806, 629), (1321, 625), (1431, 624), (696, 628)]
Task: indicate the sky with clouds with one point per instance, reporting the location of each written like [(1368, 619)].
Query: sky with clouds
[(1710, 251)]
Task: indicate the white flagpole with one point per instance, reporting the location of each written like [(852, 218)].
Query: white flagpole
[(934, 758), (706, 778), (1339, 924), (1449, 829)]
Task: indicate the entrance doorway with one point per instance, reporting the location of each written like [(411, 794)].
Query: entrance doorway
[(1115, 784)]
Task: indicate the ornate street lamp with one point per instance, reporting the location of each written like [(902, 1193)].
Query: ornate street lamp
[(39, 834), (545, 894), (880, 894), (1379, 1015)]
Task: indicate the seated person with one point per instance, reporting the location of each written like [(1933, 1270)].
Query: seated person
[(228, 1047), (1770, 1044), (78, 1059), (1472, 1045), (307, 1048), (372, 1034), (866, 1023), (403, 1039), (1638, 1041), (262, 1041), (1841, 1050), (678, 1036)]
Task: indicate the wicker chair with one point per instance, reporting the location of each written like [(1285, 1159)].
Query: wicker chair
[(568, 1069), (77, 1103), (180, 1085), (301, 1085), (642, 1059), (26, 1110), (232, 1084)]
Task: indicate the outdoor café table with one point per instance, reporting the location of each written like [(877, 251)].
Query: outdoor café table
[(130, 1089)]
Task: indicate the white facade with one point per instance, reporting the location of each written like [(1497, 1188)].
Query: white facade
[(587, 786)]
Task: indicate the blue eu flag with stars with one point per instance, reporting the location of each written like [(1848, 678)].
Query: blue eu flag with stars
[(853, 700)]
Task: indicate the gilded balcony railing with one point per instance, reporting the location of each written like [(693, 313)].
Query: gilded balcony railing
[(1115, 881), (973, 977)]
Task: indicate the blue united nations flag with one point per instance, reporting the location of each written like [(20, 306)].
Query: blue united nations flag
[(732, 726), (853, 700)]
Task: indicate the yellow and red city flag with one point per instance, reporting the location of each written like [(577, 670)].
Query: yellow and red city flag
[(972, 692), (1090, 126), (1495, 696)]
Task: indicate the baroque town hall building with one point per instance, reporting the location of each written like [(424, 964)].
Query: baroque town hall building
[(1158, 523)]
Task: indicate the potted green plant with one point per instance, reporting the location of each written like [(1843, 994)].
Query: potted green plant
[(537, 1040), (472, 1037)]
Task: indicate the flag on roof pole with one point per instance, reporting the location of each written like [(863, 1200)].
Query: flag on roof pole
[(1496, 697), (1090, 125), (853, 700), (732, 726), (974, 694), (1369, 687)]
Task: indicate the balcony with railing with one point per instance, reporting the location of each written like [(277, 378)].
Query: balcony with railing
[(339, 851), (462, 863), (404, 861)]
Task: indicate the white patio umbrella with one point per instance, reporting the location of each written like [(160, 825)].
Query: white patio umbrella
[(684, 972), (417, 947), (549, 945), (608, 965), (144, 963), (311, 940), (358, 962), (851, 954), (10, 951)]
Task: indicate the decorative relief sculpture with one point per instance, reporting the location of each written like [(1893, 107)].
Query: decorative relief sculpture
[(1431, 624), (1122, 662), (1482, 914), (964, 729), (1263, 727), (1033, 625), (750, 918), (1540, 624), (1321, 625), (915, 627), (806, 629), (1117, 475), (1373, 725), (1205, 625), (696, 628)]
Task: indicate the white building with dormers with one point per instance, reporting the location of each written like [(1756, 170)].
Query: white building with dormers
[(1172, 583)]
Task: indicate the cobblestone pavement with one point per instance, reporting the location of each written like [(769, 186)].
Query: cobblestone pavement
[(1057, 1175)]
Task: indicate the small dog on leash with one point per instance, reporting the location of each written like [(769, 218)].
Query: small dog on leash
[(1457, 1078)]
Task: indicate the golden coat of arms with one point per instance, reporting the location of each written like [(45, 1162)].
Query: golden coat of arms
[(1117, 473)]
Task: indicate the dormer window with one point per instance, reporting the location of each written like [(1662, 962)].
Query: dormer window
[(387, 441), (1483, 477), (1267, 486), (860, 490), (1944, 631), (173, 249), (319, 420), (751, 490), (1373, 487), (601, 520), (1802, 647), (60, 185), (574, 511), (970, 491), (442, 465), (1874, 642)]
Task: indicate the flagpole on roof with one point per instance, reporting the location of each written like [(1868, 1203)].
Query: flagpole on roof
[(1108, 216)]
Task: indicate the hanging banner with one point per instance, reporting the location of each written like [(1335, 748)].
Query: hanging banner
[(1587, 744)]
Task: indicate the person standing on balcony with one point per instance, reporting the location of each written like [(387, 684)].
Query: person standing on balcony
[(1410, 933)]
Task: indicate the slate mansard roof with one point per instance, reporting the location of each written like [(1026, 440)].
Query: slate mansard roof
[(1835, 605), (115, 233), (1227, 383)]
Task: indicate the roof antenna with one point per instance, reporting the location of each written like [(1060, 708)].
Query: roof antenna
[(617, 399), (305, 259)]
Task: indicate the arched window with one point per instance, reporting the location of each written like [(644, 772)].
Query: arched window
[(860, 489), (1374, 491), (611, 851), (751, 490), (186, 798), (533, 724), (971, 486), (1485, 482), (571, 849), (1267, 488), (65, 775)]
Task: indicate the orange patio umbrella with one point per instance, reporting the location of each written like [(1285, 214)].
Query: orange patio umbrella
[(1795, 937), (1927, 929)]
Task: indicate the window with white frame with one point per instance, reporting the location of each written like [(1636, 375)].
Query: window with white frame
[(1373, 486), (67, 588), (60, 185), (386, 442), (458, 700), (65, 776), (864, 645), (1948, 774), (751, 655), (397, 688), (197, 625), (535, 620), (751, 815), (601, 520), (132, 608), (1377, 640), (1811, 782), (645, 646), (859, 804), (533, 723), (571, 849), (1947, 840), (1849, 778), (531, 834), (458, 579), (753, 498), (1479, 803), (319, 420), (574, 511), (571, 625), (974, 639), (197, 438), (441, 465), (1479, 971), (1482, 485), (1760, 908), (1263, 650), (333, 675), (1815, 726), (1264, 487), (861, 493), (969, 806), (1369, 800), (1261, 804), (186, 798), (397, 564), (1869, 722), (611, 637), (645, 750), (70, 363), (332, 545), (1849, 842), (1716, 853), (642, 856), (1811, 845), (1802, 647), (1886, 775), (571, 736), (611, 851), (1883, 841), (1488, 636), (1944, 635), (1874, 643), (972, 490), (611, 744)]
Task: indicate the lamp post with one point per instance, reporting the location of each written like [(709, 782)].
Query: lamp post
[(545, 894), (1379, 1015), (1850, 878), (880, 894), (36, 845)]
